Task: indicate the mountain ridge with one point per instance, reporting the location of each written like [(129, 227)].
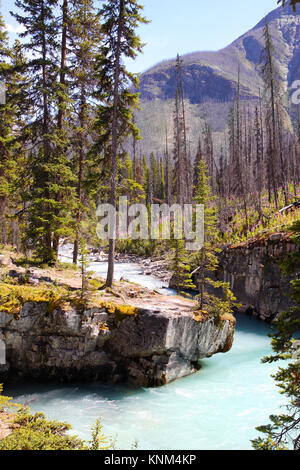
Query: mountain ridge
[(211, 76)]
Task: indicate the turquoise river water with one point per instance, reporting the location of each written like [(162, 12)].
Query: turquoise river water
[(216, 408)]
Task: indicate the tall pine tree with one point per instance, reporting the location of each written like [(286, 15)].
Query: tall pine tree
[(51, 196), (7, 118), (120, 18), (84, 40)]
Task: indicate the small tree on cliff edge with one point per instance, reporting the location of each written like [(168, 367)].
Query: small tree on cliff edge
[(284, 430), (180, 266), (207, 258), (120, 18)]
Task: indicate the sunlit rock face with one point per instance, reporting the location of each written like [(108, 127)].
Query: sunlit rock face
[(255, 275), (152, 348)]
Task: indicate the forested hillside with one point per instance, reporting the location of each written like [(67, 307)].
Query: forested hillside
[(58, 159), (210, 139)]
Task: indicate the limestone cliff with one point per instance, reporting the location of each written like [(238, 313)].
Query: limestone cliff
[(161, 343), (255, 276)]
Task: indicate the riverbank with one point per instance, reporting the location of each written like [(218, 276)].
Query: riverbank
[(151, 266), (232, 392)]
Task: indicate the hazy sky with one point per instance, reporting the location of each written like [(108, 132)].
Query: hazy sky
[(182, 26)]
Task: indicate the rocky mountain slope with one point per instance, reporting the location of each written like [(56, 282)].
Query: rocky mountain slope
[(210, 77)]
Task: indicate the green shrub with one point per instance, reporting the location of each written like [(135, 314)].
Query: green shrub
[(13, 297), (35, 432)]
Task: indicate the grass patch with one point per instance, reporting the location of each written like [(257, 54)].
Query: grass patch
[(13, 297), (120, 311)]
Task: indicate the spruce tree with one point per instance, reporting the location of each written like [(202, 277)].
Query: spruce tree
[(7, 118), (51, 196), (16, 97), (84, 39), (62, 140), (180, 266), (207, 259), (120, 18), (13, 109)]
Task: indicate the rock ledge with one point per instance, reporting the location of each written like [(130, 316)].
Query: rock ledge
[(163, 342)]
